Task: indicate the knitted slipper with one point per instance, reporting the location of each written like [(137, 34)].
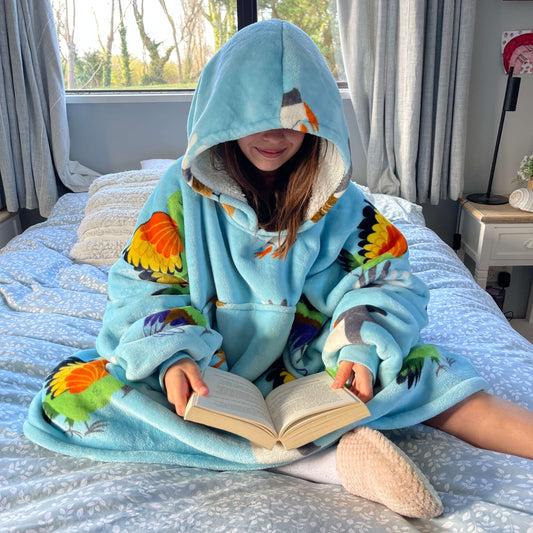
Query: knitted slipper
[(371, 466)]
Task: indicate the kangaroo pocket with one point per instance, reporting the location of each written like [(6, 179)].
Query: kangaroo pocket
[(254, 335)]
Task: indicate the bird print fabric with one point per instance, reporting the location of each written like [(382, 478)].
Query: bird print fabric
[(156, 245), (77, 388), (296, 114), (200, 279), (157, 249), (379, 239)]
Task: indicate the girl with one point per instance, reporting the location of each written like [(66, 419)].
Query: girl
[(257, 254)]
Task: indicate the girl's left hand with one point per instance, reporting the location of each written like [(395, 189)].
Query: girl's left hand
[(361, 382)]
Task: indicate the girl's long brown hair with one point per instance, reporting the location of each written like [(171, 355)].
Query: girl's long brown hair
[(286, 207)]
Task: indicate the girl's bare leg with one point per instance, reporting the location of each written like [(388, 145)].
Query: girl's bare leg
[(489, 422)]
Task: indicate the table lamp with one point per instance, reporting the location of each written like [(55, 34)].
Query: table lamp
[(509, 104)]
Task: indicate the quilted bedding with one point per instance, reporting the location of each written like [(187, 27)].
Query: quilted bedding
[(51, 307)]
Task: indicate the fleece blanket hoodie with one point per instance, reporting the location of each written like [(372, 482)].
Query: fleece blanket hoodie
[(200, 279)]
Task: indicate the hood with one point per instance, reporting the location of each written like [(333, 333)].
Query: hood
[(269, 75)]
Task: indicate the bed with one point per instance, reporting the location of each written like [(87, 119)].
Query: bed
[(53, 294)]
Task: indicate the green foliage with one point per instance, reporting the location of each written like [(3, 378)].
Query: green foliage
[(124, 54), (202, 27), (526, 168), (315, 17), (89, 71), (222, 16)]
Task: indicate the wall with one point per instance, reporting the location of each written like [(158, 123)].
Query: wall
[(116, 132), (487, 90), (110, 134)]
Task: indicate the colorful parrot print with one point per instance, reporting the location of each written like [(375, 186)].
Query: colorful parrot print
[(278, 374), (269, 247), (157, 248), (76, 388), (179, 316), (379, 240), (347, 327), (414, 362), (296, 114), (307, 323)]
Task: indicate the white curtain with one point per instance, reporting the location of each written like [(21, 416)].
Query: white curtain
[(408, 67), (34, 137)]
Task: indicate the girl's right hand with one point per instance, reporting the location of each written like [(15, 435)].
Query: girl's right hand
[(181, 380), (361, 383)]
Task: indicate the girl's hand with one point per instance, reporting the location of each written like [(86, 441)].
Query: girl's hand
[(361, 383), (181, 379)]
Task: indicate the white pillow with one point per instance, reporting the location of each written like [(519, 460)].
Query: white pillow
[(111, 214), (156, 164), (394, 208)]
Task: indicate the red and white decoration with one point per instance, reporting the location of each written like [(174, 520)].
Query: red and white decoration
[(517, 51)]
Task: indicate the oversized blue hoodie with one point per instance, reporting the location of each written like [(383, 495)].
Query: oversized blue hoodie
[(199, 275), (199, 278)]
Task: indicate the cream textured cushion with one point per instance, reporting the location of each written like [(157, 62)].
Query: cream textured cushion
[(111, 213)]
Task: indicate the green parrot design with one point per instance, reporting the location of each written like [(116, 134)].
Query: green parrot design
[(76, 388), (414, 362), (379, 240)]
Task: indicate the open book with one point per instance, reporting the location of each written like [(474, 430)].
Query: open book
[(294, 413)]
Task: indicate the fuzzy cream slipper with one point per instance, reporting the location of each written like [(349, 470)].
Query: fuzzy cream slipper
[(371, 466)]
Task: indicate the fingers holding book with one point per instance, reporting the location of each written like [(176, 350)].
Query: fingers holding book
[(181, 380), (358, 377)]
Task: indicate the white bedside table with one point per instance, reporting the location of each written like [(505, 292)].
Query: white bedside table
[(9, 226), (497, 235)]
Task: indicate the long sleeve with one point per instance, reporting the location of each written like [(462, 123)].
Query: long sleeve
[(377, 307), (149, 321)]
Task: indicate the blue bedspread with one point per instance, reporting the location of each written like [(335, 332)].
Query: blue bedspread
[(51, 307)]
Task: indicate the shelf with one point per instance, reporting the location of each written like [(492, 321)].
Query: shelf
[(497, 213)]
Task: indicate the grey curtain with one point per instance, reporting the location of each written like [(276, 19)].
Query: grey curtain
[(34, 137), (408, 68)]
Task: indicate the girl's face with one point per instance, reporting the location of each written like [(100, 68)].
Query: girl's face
[(269, 150)]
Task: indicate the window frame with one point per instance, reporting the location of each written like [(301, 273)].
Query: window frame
[(246, 13)]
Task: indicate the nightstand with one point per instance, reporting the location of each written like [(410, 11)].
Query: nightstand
[(9, 226), (497, 235)]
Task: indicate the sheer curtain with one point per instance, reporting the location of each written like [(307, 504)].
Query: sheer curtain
[(408, 67), (34, 137)]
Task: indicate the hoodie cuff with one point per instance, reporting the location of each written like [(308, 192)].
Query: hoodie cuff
[(363, 354), (166, 365)]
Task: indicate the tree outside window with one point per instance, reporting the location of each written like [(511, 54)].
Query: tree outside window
[(138, 45)]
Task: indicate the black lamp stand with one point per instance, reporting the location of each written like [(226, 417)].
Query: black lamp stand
[(509, 104)]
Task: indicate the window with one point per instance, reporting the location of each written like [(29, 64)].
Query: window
[(151, 45)]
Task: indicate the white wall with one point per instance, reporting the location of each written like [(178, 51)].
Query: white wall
[(487, 90), (114, 133)]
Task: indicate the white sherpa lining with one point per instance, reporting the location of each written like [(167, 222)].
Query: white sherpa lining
[(329, 178)]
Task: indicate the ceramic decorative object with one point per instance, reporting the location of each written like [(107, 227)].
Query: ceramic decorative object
[(522, 199)]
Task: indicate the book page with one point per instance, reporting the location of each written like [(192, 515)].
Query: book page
[(303, 396), (233, 395)]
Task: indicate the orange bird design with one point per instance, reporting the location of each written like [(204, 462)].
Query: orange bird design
[(76, 388), (156, 245)]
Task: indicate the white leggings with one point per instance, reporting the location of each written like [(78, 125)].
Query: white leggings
[(320, 467)]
